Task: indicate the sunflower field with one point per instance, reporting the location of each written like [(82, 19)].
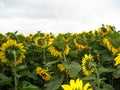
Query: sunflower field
[(67, 61)]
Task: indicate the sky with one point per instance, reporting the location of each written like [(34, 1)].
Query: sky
[(57, 16)]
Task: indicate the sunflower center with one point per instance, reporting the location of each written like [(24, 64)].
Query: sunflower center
[(43, 74), (58, 48), (41, 42), (9, 52), (80, 41), (89, 65)]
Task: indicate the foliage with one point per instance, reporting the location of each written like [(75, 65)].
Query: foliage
[(44, 61)]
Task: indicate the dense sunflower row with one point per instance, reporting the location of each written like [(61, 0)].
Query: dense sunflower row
[(44, 61)]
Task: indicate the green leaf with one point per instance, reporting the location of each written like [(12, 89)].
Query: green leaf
[(26, 73), (73, 68), (53, 62), (21, 67), (4, 80), (90, 77), (106, 57), (73, 54), (116, 73), (55, 83), (107, 87), (28, 86), (101, 69), (59, 43)]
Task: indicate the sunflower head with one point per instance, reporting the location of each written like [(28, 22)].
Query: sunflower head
[(40, 42), (55, 51), (88, 64), (110, 28), (76, 85), (7, 50), (58, 51), (117, 60), (43, 73), (102, 31), (95, 32), (66, 37), (1, 36), (63, 69), (12, 36), (40, 34), (80, 43)]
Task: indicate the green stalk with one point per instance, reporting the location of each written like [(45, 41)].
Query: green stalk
[(44, 57), (64, 57), (98, 77), (14, 70)]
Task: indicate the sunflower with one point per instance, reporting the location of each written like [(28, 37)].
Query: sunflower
[(95, 32), (40, 42), (102, 31), (50, 41), (63, 69), (1, 36), (7, 49), (56, 51), (66, 37), (80, 43), (76, 85), (110, 46), (43, 35), (117, 60), (43, 73), (107, 43), (110, 28), (88, 64)]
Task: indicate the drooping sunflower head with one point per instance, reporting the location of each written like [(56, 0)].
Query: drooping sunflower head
[(80, 43), (88, 64), (43, 35), (50, 41), (58, 51), (1, 36), (76, 85), (55, 51), (110, 28), (11, 35), (111, 46), (102, 31), (40, 42), (43, 73), (95, 32), (66, 37), (63, 69), (7, 50), (40, 34), (117, 60), (107, 43)]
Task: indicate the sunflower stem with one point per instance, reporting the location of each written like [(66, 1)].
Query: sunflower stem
[(98, 78), (44, 57), (14, 70), (64, 57)]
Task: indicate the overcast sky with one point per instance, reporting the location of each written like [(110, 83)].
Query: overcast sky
[(57, 16)]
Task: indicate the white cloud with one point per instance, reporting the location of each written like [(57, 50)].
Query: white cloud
[(29, 16)]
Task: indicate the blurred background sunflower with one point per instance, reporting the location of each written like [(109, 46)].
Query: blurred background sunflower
[(7, 50), (88, 64)]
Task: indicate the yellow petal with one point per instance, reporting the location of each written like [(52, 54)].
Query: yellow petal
[(66, 87)]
